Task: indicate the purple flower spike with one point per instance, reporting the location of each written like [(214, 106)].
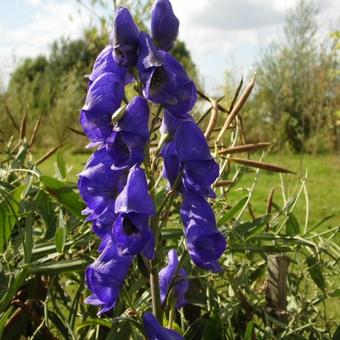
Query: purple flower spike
[(154, 331), (205, 243), (164, 24), (105, 277), (164, 78), (127, 141), (103, 98), (132, 234), (135, 197), (124, 38), (178, 284)]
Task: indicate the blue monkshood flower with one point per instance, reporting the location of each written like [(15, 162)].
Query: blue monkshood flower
[(105, 63), (205, 243), (168, 281), (105, 277), (188, 153), (99, 186), (134, 206), (127, 141), (164, 78), (170, 123), (103, 98), (171, 168), (124, 38), (154, 331), (164, 24), (199, 168)]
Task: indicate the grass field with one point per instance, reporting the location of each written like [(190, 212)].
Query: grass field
[(323, 183)]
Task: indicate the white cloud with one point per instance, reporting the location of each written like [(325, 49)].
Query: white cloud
[(221, 33), (34, 2), (51, 20)]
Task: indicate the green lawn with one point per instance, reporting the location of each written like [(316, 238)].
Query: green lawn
[(323, 183)]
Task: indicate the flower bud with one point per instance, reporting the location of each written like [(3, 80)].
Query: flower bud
[(124, 38), (164, 24)]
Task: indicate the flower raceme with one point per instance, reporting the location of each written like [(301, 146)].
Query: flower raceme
[(113, 183)]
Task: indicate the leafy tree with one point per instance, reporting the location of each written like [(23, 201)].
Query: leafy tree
[(297, 85)]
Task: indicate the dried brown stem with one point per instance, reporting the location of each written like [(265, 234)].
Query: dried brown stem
[(236, 108), (259, 165), (244, 148), (213, 118)]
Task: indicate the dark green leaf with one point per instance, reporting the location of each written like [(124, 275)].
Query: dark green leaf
[(61, 164), (60, 266), (336, 335), (9, 209), (197, 328), (44, 207), (247, 228), (248, 334), (60, 234), (230, 213), (315, 272), (64, 194), (292, 225)]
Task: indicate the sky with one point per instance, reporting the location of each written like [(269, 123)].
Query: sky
[(220, 34)]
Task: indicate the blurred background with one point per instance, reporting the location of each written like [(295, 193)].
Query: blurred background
[(47, 47)]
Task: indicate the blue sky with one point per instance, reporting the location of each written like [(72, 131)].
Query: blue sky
[(221, 34)]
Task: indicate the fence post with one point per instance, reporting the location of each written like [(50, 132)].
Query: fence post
[(276, 287)]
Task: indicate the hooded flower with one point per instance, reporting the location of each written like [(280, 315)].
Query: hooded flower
[(205, 243), (134, 206), (127, 141), (189, 154), (169, 281), (103, 98), (155, 331), (170, 123), (199, 168), (164, 24), (124, 38), (105, 277), (164, 78), (106, 64), (99, 186), (171, 166)]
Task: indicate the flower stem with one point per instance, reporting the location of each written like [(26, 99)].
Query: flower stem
[(155, 294), (172, 313)]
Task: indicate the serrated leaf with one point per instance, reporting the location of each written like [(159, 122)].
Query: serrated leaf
[(315, 272), (197, 328), (61, 164), (292, 225), (230, 213)]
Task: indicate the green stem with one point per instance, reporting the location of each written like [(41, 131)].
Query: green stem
[(155, 294), (172, 313)]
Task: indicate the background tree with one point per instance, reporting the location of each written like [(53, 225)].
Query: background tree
[(297, 85)]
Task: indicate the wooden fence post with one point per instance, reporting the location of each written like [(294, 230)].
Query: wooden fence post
[(276, 287)]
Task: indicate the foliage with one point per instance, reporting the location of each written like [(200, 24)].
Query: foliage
[(47, 247)]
